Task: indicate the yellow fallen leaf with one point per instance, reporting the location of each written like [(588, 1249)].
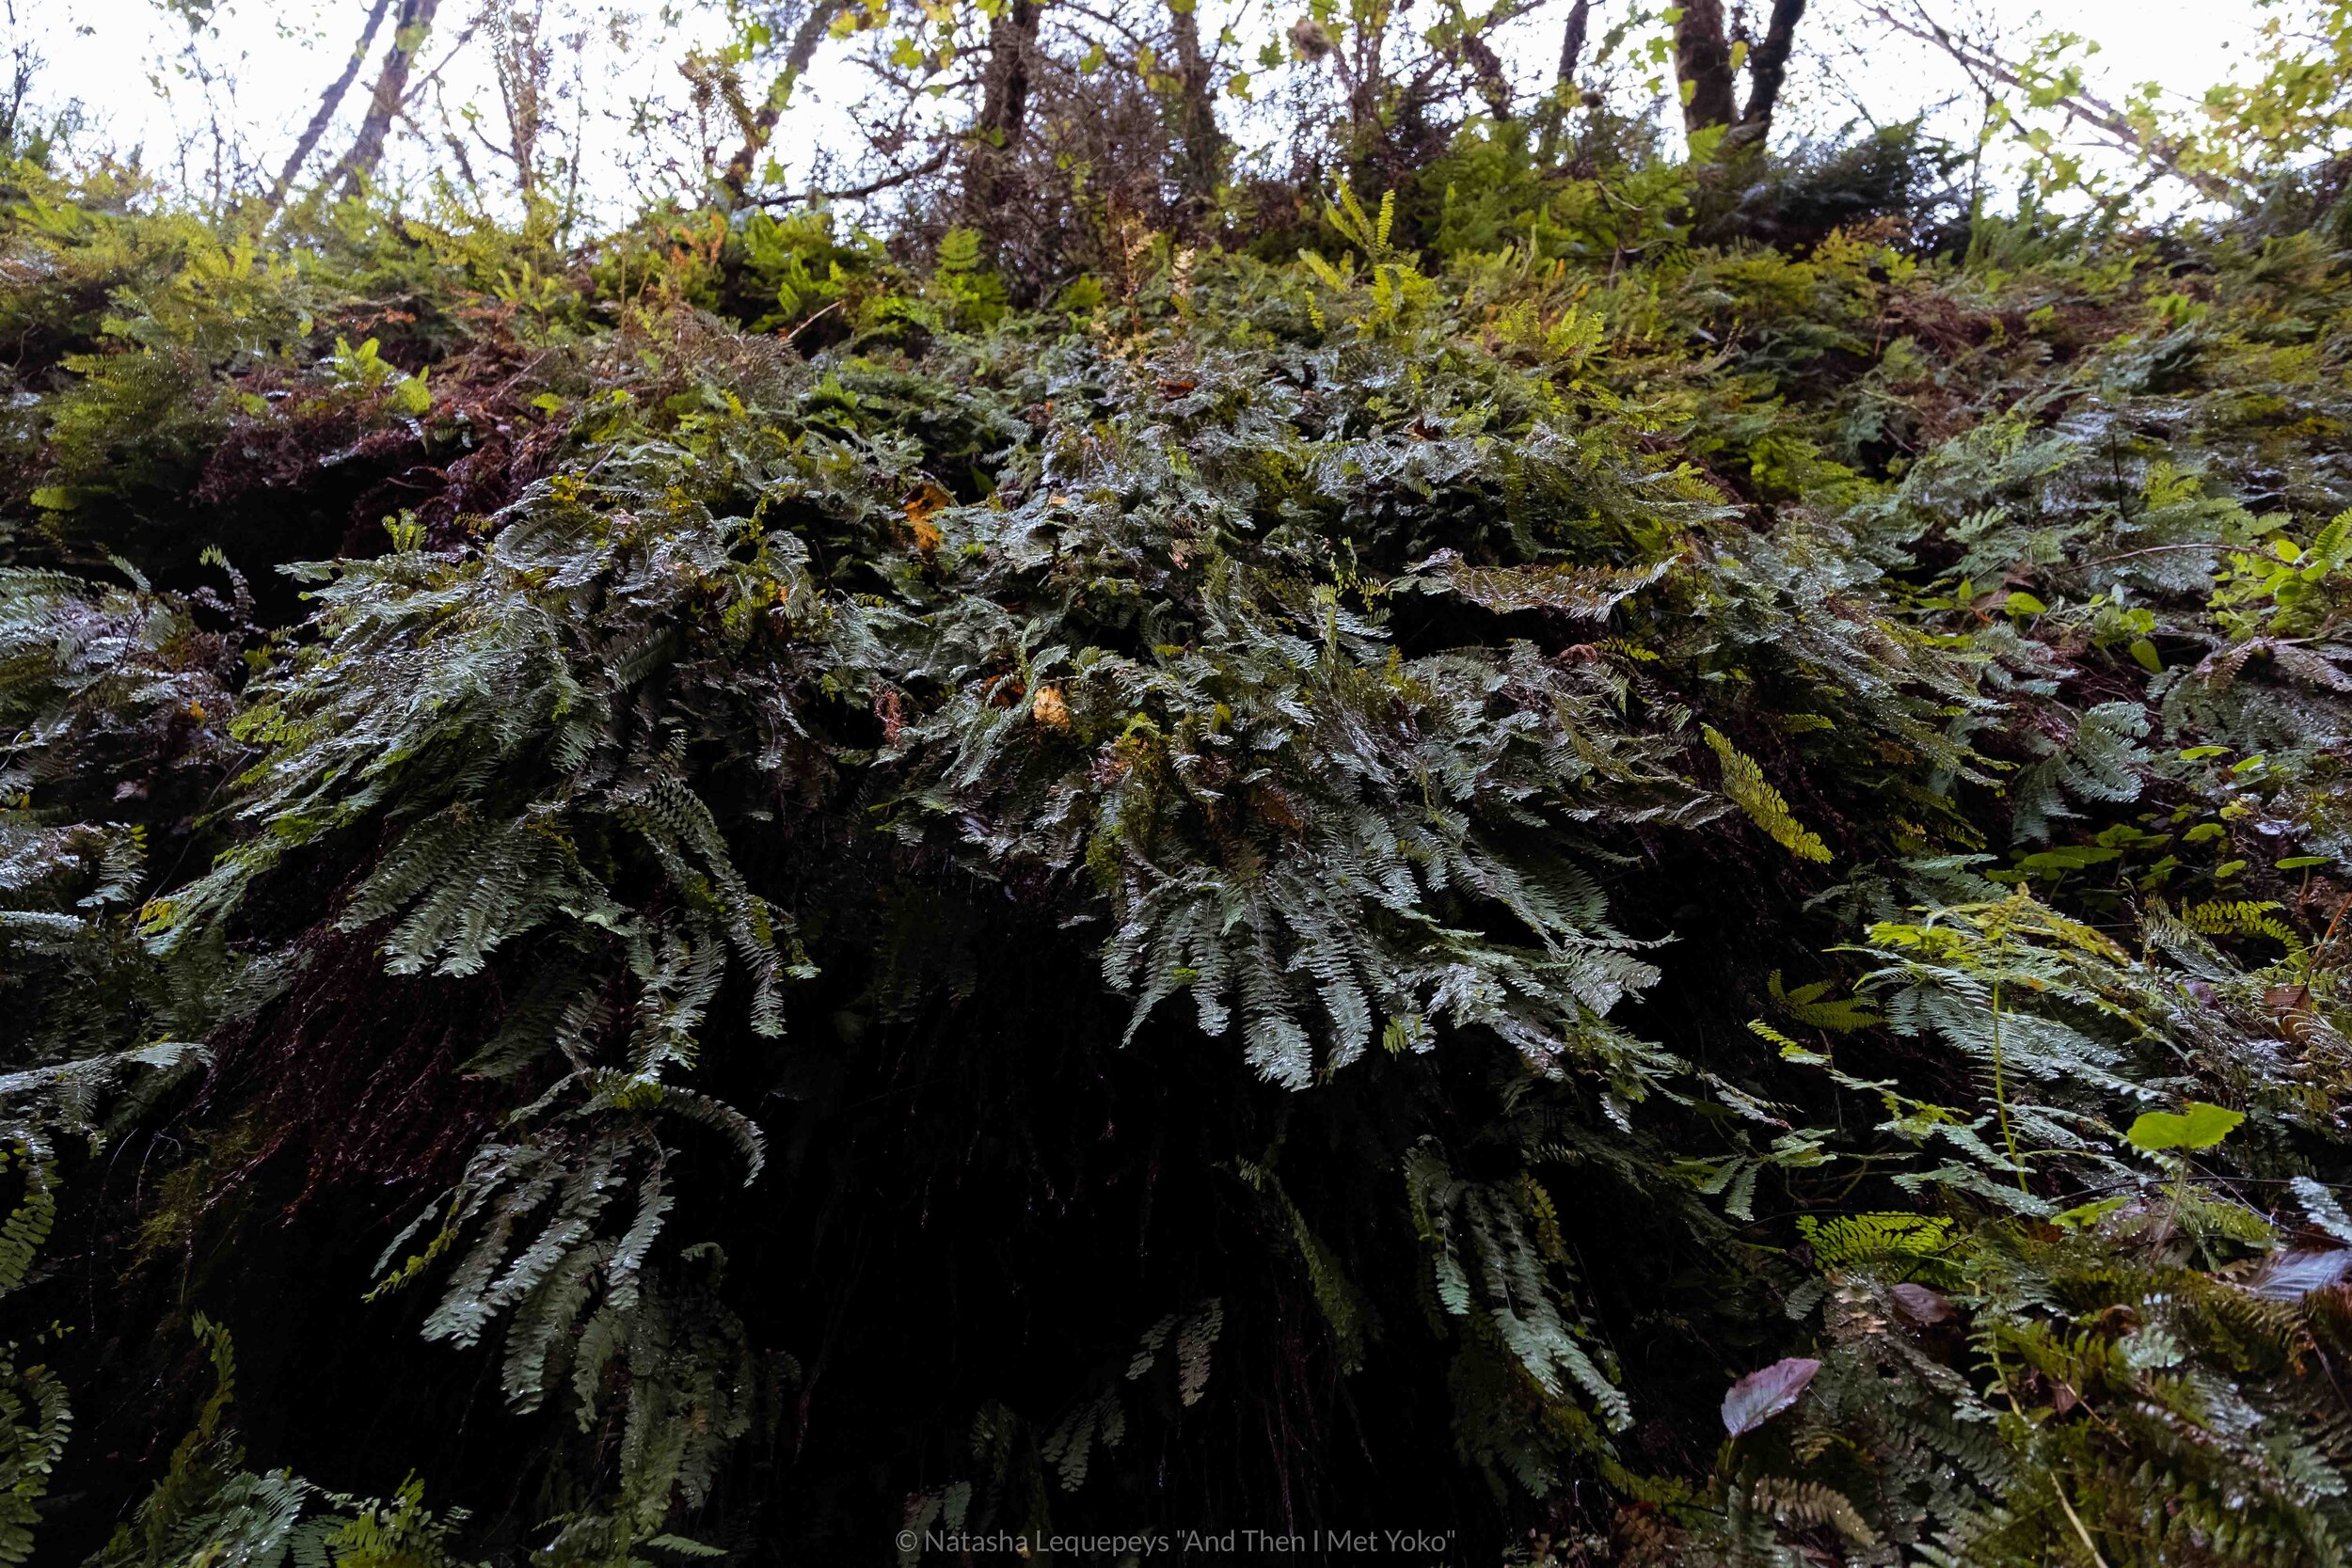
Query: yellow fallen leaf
[(925, 501)]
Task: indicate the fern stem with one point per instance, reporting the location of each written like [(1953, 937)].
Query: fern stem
[(2000, 1095), (2057, 1487), (2076, 1519)]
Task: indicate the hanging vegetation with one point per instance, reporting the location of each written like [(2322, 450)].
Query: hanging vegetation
[(1602, 870)]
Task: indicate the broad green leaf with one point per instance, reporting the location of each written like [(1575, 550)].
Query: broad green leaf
[(2197, 1126)]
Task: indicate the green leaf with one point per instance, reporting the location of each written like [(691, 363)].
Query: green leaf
[(2070, 857), (2084, 1215), (408, 396), (2198, 1126)]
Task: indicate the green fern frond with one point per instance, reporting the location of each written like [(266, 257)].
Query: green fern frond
[(1745, 784)]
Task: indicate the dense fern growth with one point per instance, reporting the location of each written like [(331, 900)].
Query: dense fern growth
[(1630, 901)]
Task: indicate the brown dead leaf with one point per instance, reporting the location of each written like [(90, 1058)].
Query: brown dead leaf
[(1049, 709), (2292, 1006), (2284, 1000), (1276, 808)]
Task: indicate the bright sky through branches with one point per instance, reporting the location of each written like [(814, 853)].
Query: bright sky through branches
[(255, 72)]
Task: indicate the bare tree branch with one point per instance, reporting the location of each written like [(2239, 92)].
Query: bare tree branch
[(2102, 116), (796, 57), (1486, 66), (417, 88), (411, 28), (1564, 85), (330, 102), (932, 165), (1768, 67)]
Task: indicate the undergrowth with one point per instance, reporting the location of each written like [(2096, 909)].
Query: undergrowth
[(721, 895)]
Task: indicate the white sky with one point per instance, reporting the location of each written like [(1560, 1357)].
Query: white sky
[(146, 81)]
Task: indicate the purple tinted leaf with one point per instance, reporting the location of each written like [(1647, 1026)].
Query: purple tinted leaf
[(1922, 1306), (1762, 1395), (2293, 1276)]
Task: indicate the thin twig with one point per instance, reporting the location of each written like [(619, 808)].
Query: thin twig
[(2158, 549), (855, 193), (814, 318), (2091, 110)]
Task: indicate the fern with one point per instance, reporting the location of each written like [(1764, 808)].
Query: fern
[(36, 1419), (1851, 1241), (29, 1222), (2101, 762), (2243, 918), (209, 1508), (1745, 784), (1276, 655)]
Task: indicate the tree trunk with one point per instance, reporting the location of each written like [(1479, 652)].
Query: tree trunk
[(1767, 66), (409, 31), (1572, 42), (1563, 89), (1004, 111), (1363, 90), (1486, 66), (330, 102), (1200, 146), (802, 50), (1703, 66)]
